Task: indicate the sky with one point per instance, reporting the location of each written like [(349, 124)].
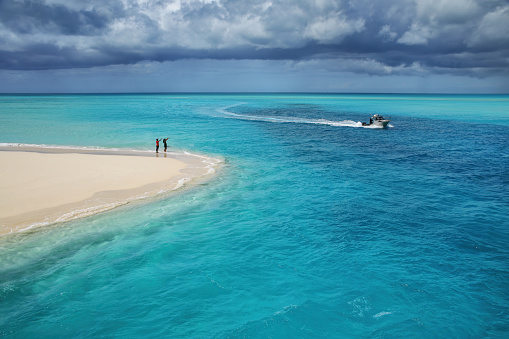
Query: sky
[(376, 46)]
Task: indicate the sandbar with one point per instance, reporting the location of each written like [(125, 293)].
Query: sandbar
[(44, 186)]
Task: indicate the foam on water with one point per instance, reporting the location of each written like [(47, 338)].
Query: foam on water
[(286, 119)]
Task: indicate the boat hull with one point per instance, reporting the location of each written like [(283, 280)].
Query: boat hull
[(377, 124), (380, 123)]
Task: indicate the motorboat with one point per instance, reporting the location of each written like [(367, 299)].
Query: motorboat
[(377, 121)]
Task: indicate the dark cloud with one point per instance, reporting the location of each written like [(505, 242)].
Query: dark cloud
[(384, 37), (29, 17)]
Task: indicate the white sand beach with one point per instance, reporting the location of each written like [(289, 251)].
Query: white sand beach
[(38, 188)]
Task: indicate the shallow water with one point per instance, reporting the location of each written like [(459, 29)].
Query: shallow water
[(311, 229)]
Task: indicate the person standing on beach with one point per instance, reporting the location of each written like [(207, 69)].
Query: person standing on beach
[(157, 145), (165, 144)]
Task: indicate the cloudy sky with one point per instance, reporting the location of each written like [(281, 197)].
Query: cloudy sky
[(437, 46)]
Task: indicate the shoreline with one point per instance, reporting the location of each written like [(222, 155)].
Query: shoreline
[(42, 185)]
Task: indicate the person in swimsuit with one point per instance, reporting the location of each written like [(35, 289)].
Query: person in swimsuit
[(165, 144), (157, 145)]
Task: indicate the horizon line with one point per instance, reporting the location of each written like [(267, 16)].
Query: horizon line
[(244, 92)]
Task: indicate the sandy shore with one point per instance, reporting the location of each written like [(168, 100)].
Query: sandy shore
[(43, 186)]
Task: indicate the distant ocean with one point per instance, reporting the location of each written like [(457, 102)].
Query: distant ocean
[(314, 228)]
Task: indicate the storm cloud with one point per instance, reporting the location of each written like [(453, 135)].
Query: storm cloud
[(459, 37)]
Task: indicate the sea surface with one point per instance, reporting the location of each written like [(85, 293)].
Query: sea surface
[(315, 227)]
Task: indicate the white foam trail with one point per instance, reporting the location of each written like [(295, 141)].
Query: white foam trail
[(210, 163), (80, 213), (342, 123), (181, 183), (381, 314), (89, 211), (286, 309)]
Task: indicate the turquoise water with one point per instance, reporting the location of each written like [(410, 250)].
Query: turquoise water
[(314, 228)]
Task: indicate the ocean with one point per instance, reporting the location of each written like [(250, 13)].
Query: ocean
[(314, 227)]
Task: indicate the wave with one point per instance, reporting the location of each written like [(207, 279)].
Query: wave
[(210, 163), (342, 123)]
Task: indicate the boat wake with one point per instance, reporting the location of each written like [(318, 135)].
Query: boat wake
[(343, 123)]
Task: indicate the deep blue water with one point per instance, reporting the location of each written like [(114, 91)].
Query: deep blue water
[(314, 227)]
